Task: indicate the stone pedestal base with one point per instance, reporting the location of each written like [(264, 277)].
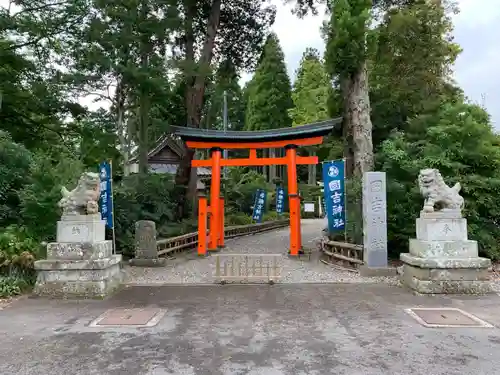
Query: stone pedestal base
[(446, 275), (78, 270), (442, 260)]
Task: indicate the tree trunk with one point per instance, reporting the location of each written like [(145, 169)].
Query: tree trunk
[(357, 125), (195, 92), (272, 168), (144, 99), (121, 128), (311, 170)]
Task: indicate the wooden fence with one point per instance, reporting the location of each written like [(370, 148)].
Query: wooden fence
[(343, 254), (188, 241), (247, 268)]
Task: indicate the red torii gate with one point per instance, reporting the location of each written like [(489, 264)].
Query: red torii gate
[(217, 140)]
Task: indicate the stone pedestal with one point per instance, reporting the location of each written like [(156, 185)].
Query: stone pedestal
[(81, 263), (442, 259)]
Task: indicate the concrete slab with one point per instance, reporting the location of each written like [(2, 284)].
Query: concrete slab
[(139, 317), (306, 329), (438, 317)]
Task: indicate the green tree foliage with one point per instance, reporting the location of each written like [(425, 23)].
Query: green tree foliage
[(96, 139), (241, 188), (411, 66), (458, 140), (310, 93), (226, 79), (15, 161), (150, 197), (42, 192), (269, 95), (347, 34), (30, 105), (311, 90)]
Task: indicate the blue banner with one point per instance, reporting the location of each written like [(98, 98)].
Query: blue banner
[(106, 196), (259, 205), (334, 181), (280, 200)]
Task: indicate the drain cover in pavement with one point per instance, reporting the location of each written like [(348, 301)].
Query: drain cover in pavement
[(144, 317), (446, 317)]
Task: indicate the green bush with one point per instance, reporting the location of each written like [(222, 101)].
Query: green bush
[(15, 162), (270, 216), (237, 219), (354, 211), (459, 141), (150, 197), (12, 286), (18, 252), (40, 196), (240, 189)]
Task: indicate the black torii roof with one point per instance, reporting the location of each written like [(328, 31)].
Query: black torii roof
[(316, 129)]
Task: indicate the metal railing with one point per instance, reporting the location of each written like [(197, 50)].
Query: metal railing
[(247, 267), (190, 240), (342, 253)]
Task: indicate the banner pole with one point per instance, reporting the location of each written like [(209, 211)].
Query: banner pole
[(112, 205), (345, 204)]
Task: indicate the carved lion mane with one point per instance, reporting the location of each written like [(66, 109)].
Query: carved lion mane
[(82, 200), (437, 193)]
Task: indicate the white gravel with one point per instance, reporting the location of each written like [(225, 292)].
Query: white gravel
[(189, 269)]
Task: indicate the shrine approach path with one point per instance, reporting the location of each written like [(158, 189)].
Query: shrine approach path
[(188, 268)]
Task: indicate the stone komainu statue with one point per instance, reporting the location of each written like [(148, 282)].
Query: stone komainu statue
[(437, 194), (82, 200)]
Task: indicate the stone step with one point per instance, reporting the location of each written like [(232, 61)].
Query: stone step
[(475, 262), (89, 264), (444, 274)]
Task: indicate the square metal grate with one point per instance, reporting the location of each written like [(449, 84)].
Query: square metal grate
[(137, 317), (445, 317)]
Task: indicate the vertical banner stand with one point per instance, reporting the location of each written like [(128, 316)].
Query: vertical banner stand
[(345, 206), (112, 205)]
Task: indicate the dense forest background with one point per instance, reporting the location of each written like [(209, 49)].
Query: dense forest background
[(386, 70)]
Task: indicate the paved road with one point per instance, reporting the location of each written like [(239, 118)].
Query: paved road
[(282, 329)]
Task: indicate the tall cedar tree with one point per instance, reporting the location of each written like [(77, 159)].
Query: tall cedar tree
[(311, 90), (346, 59), (412, 65), (226, 79), (269, 96), (213, 31)]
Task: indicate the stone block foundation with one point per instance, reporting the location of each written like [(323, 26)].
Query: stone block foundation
[(442, 260), (78, 278)]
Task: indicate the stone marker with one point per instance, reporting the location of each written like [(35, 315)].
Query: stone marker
[(442, 259), (146, 253), (81, 263), (375, 226)]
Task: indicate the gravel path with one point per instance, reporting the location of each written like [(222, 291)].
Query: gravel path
[(189, 269)]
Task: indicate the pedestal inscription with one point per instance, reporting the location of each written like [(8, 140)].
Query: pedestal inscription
[(374, 219), (81, 228)]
